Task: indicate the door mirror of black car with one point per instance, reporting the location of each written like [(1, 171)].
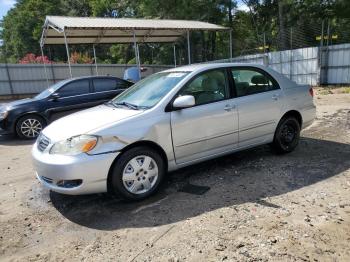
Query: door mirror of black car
[(55, 96)]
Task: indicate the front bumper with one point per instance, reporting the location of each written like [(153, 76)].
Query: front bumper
[(3, 130), (91, 170)]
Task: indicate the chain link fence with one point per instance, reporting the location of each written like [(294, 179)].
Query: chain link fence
[(315, 54)]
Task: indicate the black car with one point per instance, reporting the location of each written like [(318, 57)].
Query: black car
[(27, 117)]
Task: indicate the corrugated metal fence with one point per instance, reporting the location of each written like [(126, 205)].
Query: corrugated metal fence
[(18, 79), (305, 66)]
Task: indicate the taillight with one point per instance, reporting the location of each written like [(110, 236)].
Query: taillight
[(311, 91)]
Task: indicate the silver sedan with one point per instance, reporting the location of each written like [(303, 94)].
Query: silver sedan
[(169, 120)]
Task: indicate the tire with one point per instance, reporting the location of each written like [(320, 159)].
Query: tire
[(133, 181), (30, 126), (287, 135)]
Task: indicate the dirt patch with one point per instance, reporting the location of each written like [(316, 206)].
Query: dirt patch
[(259, 207)]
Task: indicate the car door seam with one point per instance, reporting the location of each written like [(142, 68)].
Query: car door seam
[(207, 138), (259, 125)]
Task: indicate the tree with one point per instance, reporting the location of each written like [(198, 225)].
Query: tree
[(278, 23), (22, 26)]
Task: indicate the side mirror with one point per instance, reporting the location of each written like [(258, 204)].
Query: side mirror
[(184, 102), (55, 96)]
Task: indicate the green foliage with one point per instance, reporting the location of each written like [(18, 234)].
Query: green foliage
[(22, 26)]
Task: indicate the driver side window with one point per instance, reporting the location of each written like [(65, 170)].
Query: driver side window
[(79, 87), (208, 87)]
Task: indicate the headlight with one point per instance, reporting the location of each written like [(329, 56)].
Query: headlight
[(3, 114), (74, 145)]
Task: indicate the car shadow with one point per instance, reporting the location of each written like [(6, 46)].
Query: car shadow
[(12, 140), (248, 176)]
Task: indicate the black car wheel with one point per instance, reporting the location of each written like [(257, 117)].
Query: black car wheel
[(137, 173), (287, 135), (30, 126)]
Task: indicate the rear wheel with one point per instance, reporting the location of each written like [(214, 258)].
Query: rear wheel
[(287, 135), (137, 173), (30, 126)]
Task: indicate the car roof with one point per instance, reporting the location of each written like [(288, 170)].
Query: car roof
[(92, 77), (201, 67), (197, 68)]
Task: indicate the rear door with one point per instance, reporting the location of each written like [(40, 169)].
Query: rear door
[(259, 103), (211, 126), (72, 97), (105, 89)]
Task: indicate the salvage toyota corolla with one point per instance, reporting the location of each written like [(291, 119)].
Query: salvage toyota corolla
[(167, 121)]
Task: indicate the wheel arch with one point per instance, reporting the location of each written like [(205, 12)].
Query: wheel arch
[(145, 143), (15, 122), (294, 113), (35, 113)]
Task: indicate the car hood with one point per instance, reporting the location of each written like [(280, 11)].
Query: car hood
[(87, 120), (17, 103)]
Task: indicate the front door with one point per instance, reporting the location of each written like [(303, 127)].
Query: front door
[(211, 126), (259, 105), (72, 97)]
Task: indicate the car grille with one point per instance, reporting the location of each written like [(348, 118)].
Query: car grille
[(43, 143), (46, 179)]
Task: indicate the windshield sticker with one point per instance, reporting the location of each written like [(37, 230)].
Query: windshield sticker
[(176, 74)]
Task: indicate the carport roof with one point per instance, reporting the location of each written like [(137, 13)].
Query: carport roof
[(88, 30)]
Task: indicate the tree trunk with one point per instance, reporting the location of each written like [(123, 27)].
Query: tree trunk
[(230, 18), (282, 29)]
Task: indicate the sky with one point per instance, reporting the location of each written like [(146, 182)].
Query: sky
[(240, 6), (5, 5)]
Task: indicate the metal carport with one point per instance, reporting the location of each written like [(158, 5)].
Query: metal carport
[(91, 30)]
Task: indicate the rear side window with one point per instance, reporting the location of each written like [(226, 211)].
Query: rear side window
[(104, 84), (79, 87), (123, 84), (250, 81)]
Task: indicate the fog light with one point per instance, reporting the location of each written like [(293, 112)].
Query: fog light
[(69, 183)]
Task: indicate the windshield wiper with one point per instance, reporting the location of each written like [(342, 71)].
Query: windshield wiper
[(129, 105), (107, 103)]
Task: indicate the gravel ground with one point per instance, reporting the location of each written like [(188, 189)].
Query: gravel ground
[(260, 207)]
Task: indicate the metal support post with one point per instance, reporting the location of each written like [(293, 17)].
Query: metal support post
[(231, 51), (68, 56), (137, 54), (93, 46), (42, 59), (188, 47)]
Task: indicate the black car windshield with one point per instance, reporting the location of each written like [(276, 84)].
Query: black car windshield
[(52, 89), (149, 91)]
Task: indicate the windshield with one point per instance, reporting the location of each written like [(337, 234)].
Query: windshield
[(149, 91), (52, 89)]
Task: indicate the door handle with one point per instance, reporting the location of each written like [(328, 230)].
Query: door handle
[(229, 107), (275, 97)]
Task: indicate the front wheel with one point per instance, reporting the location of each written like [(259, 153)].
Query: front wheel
[(137, 173), (287, 135), (30, 126)]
